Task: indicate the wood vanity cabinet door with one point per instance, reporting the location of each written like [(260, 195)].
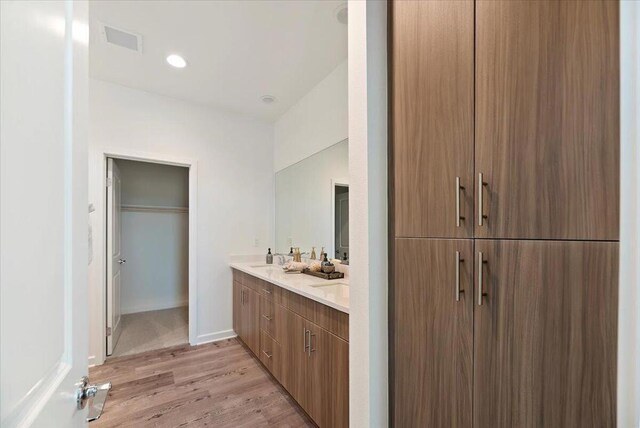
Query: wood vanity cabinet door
[(547, 119), (432, 334), (545, 335), (237, 307), (294, 358), (250, 323), (327, 379), (432, 63)]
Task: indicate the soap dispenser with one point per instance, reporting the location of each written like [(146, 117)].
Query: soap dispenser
[(269, 257)]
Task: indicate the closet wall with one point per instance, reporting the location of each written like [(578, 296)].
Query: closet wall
[(505, 206), (155, 236)]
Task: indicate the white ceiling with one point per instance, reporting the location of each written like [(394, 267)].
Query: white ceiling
[(237, 51)]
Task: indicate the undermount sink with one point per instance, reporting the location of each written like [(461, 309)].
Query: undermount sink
[(329, 283)]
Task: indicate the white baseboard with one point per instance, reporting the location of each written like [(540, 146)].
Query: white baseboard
[(214, 337), (95, 361), (154, 306)]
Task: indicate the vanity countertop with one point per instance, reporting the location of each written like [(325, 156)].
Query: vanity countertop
[(333, 293)]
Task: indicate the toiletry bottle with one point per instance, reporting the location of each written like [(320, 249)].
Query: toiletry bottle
[(269, 257), (291, 251)]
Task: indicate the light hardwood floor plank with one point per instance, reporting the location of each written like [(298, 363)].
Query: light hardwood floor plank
[(219, 384)]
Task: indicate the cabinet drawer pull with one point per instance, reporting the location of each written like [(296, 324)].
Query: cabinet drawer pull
[(458, 189), (267, 317), (305, 339), (481, 262), (266, 291), (267, 354), (458, 290), (481, 184)]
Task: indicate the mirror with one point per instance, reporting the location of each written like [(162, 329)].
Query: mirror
[(312, 203)]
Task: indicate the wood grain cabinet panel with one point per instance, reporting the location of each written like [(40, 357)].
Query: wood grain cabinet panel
[(433, 333), (547, 119), (294, 358), (249, 320), (237, 303), (327, 389), (545, 335), (432, 117)]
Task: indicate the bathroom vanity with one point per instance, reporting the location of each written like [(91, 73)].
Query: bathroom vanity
[(298, 327)]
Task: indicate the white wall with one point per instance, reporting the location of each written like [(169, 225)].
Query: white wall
[(154, 243), (629, 293), (319, 120), (368, 236), (235, 194)]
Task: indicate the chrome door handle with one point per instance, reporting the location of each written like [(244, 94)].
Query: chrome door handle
[(458, 189), (122, 261), (458, 261), (310, 348), (481, 262), (305, 339), (481, 184)]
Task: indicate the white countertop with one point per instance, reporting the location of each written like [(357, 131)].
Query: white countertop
[(333, 293)]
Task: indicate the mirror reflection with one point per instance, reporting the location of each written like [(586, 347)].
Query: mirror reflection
[(312, 204)]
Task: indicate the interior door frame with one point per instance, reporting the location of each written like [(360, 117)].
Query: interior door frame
[(335, 182), (163, 159)]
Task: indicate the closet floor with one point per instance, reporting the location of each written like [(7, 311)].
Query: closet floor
[(146, 331)]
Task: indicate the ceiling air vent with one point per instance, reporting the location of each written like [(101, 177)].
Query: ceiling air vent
[(118, 37)]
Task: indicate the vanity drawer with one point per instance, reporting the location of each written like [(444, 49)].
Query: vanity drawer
[(270, 354), (268, 316), (269, 290)]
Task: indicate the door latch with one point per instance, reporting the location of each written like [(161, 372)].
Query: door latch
[(95, 394)]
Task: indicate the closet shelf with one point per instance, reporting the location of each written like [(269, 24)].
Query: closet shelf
[(148, 209)]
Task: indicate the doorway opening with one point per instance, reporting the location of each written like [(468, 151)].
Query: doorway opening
[(341, 204), (147, 212)]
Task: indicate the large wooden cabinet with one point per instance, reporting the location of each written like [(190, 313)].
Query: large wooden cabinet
[(434, 332), (504, 179), (545, 335), (547, 119), (302, 343), (432, 110)]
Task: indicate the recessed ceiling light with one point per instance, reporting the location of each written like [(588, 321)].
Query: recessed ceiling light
[(268, 99), (342, 14), (177, 61)]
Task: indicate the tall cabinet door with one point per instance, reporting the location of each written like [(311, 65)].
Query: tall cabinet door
[(545, 334), (547, 119), (432, 122), (433, 333)]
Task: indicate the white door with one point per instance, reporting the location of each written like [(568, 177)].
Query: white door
[(114, 256), (43, 212)]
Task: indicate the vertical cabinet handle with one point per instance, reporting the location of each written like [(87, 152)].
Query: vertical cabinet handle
[(481, 263), (458, 290), (310, 347), (458, 189), (305, 339), (481, 184)]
